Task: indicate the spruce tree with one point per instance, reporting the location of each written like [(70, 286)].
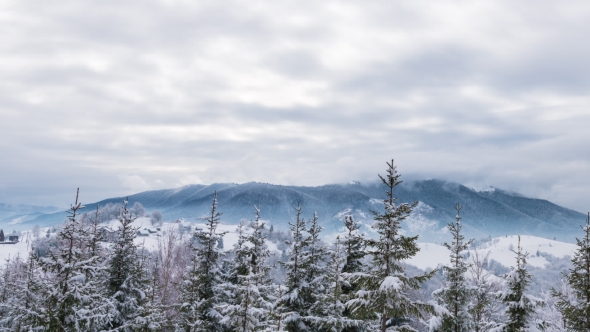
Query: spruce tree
[(354, 247), (520, 306), (385, 288), (293, 301), (576, 312), (127, 277), (204, 275), (23, 309), (455, 296), (313, 258), (74, 300), (250, 285), (328, 312)]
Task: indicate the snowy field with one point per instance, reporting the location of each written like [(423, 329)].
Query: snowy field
[(429, 257), (499, 249)]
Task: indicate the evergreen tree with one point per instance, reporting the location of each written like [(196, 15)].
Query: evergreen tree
[(21, 309), (485, 307), (200, 286), (74, 300), (455, 296), (354, 246), (293, 301), (519, 306), (250, 283), (313, 259), (127, 277), (576, 311), (385, 289), (328, 312)]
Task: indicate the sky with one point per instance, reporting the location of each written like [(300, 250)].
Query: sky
[(118, 97)]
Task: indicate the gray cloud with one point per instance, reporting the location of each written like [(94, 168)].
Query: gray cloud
[(120, 97)]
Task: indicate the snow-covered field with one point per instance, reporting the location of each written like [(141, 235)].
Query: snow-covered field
[(429, 257), (499, 249)]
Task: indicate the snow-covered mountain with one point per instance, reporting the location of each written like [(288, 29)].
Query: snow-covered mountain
[(492, 212)]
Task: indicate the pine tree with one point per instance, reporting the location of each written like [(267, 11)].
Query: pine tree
[(204, 275), (249, 282), (74, 300), (23, 309), (293, 301), (127, 276), (485, 307), (576, 311), (354, 247), (329, 310), (385, 289), (455, 296), (520, 306), (313, 258)]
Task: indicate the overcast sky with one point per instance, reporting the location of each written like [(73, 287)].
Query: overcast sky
[(117, 97)]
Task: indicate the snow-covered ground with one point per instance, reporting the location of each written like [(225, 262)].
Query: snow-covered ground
[(429, 257), (499, 249), (10, 251)]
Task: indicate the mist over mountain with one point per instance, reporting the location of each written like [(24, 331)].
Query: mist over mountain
[(492, 212)]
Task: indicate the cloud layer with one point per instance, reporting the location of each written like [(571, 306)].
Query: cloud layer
[(118, 97)]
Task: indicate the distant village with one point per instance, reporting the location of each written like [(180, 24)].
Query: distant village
[(11, 239)]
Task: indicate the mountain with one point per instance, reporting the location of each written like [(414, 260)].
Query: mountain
[(485, 213), (13, 215)]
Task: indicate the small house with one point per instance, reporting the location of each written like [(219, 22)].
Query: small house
[(109, 234), (12, 238), (143, 232)]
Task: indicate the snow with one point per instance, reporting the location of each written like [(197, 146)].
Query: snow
[(390, 283), (20, 248), (431, 255)]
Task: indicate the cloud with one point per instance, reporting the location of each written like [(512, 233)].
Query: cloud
[(115, 97)]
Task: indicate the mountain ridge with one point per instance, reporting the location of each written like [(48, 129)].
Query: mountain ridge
[(485, 213)]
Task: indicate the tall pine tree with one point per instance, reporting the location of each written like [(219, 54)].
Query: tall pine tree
[(128, 279), (456, 294), (384, 291), (74, 299), (576, 312), (294, 305), (520, 306), (204, 275)]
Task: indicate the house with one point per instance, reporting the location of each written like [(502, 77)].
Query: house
[(13, 238), (109, 234), (143, 232)]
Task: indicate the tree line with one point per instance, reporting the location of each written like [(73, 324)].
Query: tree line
[(357, 283)]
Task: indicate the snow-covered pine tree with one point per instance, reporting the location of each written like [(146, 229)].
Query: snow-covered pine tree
[(293, 305), (354, 247), (328, 310), (200, 286), (74, 299), (456, 294), (576, 312), (151, 314), (127, 276), (313, 258), (23, 309), (520, 306), (249, 283), (384, 290), (485, 307)]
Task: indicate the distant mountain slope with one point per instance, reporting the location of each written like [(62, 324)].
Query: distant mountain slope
[(489, 213)]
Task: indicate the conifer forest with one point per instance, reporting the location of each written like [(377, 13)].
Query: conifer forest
[(80, 280)]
